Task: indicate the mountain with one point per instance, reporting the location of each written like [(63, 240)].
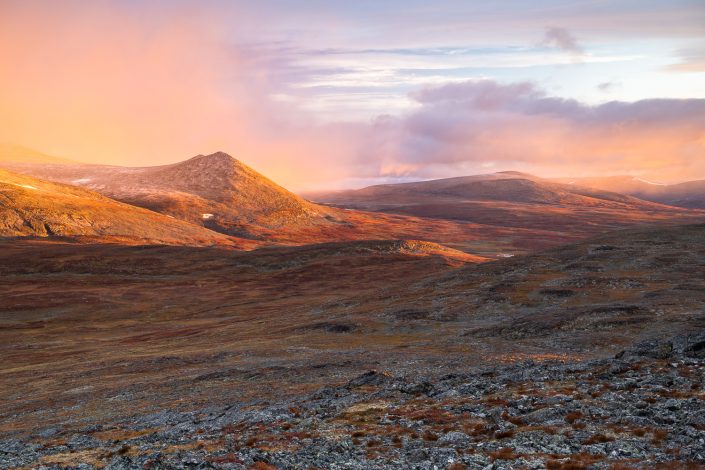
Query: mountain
[(690, 194), (488, 215), (17, 154), (514, 187), (510, 199), (216, 191), (222, 194), (37, 208)]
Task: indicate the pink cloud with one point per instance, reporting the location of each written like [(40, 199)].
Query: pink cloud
[(519, 125)]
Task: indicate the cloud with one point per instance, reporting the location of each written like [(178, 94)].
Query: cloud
[(153, 84), (608, 87), (562, 39), (509, 126), (291, 89), (691, 60)]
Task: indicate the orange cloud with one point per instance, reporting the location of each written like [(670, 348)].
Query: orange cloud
[(118, 85), (144, 84)]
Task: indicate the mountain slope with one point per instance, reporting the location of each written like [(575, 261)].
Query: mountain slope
[(222, 194), (690, 194), (513, 187), (216, 191), (511, 199), (489, 215), (22, 155), (33, 207)]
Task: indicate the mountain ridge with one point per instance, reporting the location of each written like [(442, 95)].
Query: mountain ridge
[(687, 194), (31, 207)]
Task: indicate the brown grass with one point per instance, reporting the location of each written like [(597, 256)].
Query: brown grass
[(659, 435), (639, 432), (262, 466), (542, 428), (430, 436), (504, 434), (597, 439), (579, 461), (516, 420), (505, 453)]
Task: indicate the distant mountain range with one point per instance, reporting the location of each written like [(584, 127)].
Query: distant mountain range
[(219, 193), (509, 199), (690, 194), (216, 196)]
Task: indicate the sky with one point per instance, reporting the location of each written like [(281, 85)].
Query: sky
[(318, 94)]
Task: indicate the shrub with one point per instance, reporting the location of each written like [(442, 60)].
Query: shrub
[(251, 442)]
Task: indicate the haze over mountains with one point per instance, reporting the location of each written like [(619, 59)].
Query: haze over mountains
[(165, 305), (690, 194), (510, 199), (16, 154)]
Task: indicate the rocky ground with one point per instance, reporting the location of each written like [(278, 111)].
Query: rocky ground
[(645, 408), (177, 357)]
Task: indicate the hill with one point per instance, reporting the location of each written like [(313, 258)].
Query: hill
[(215, 191), (488, 215), (690, 194), (511, 199), (222, 194), (37, 208)]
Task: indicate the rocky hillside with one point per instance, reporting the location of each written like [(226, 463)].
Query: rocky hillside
[(34, 207), (215, 191), (222, 194), (644, 408)]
